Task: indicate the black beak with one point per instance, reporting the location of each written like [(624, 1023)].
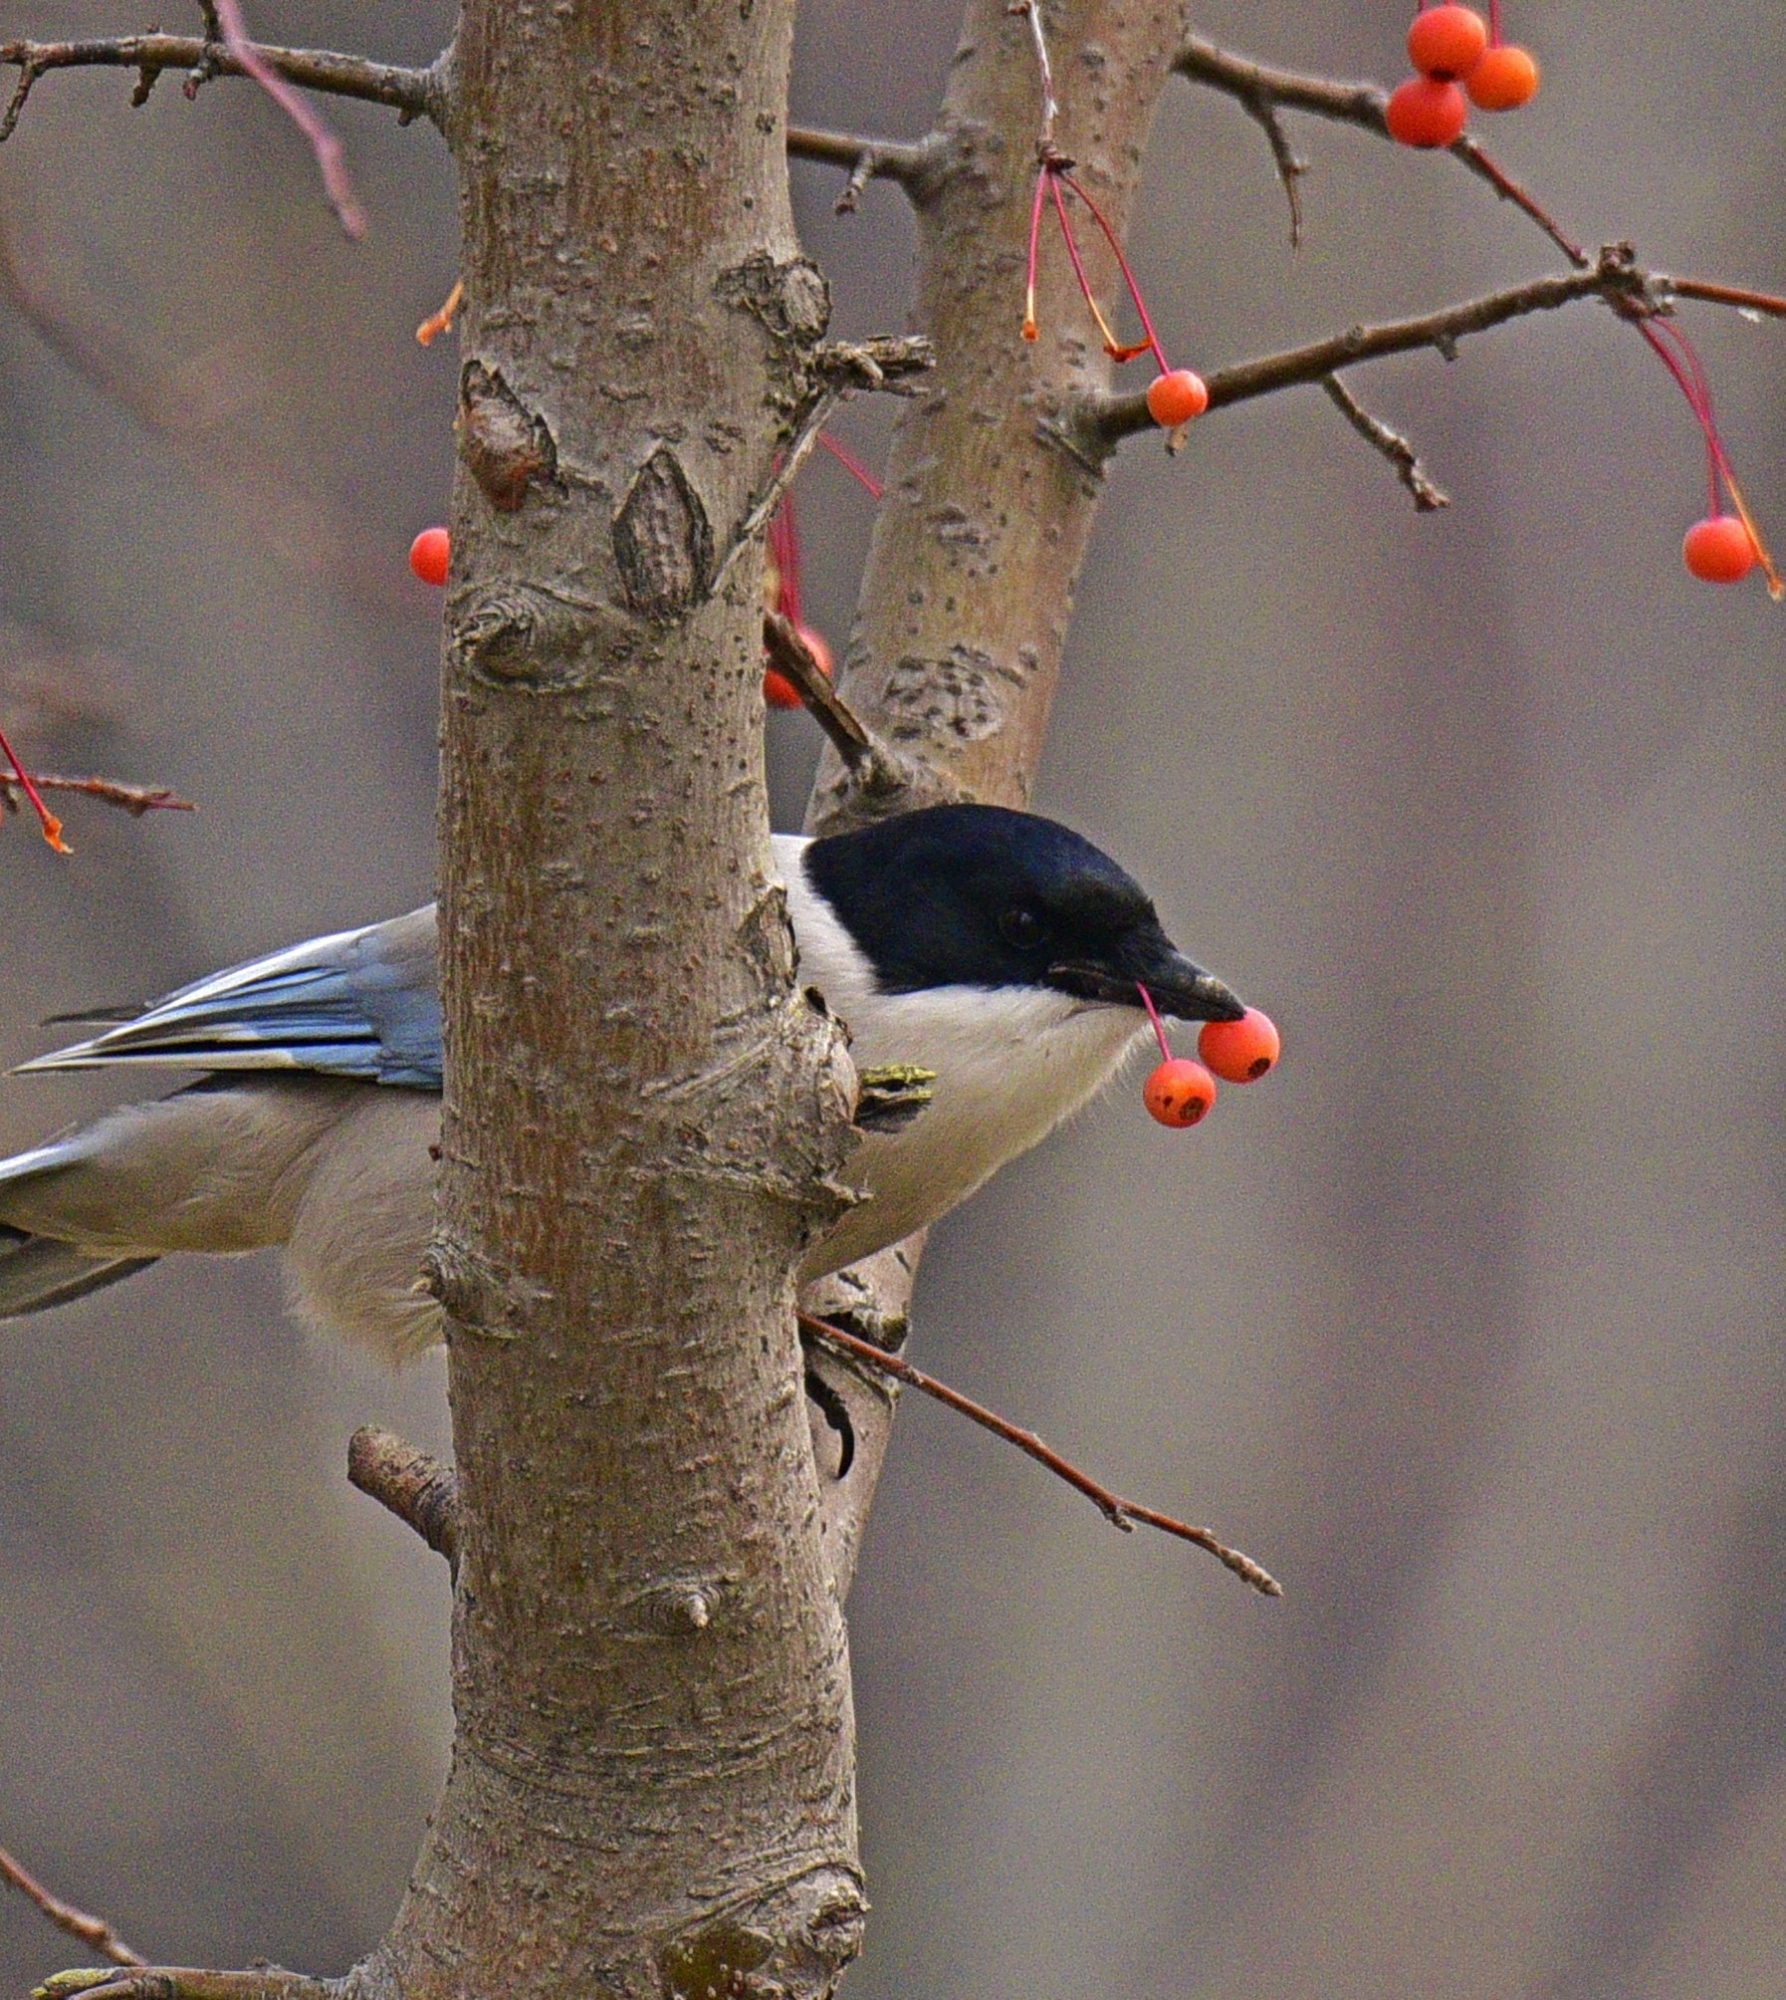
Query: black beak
[(1148, 958)]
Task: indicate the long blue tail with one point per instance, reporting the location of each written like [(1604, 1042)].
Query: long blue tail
[(37, 1272)]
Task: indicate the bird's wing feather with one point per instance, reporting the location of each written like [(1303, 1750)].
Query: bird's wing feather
[(362, 1003)]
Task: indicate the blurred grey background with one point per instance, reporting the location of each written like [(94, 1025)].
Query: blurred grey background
[(1469, 1323)]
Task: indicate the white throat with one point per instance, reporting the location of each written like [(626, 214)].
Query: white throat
[(1011, 1062)]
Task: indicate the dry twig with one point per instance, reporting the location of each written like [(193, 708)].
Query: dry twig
[(133, 799), (416, 1487), (411, 93), (908, 165), (1394, 447), (91, 1930), (1120, 1513)]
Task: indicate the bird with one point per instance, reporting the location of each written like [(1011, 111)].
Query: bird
[(998, 950)]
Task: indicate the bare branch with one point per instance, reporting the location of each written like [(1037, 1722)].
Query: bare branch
[(1261, 91), (1394, 447), (1503, 183), (91, 1930), (1631, 292), (416, 1487), (1739, 296), (133, 799), (1120, 1513), (183, 1982), (331, 161), (908, 165), (1291, 166), (840, 368), (411, 93)]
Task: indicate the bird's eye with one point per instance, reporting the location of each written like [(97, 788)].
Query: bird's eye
[(1022, 928)]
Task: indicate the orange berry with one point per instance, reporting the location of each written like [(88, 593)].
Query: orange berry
[(1505, 78), (1425, 112), (1719, 549), (1179, 1092), (1240, 1051), (1447, 42), (431, 555), (778, 690), (1176, 397)]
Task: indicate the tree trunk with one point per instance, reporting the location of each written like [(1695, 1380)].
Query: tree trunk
[(652, 1779)]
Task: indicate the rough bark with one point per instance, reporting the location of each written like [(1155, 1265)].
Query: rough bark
[(652, 1780)]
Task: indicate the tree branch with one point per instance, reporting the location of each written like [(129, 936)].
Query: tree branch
[(411, 93), (184, 1982), (910, 165), (416, 1487), (1120, 1513), (133, 799), (91, 1930), (1394, 447), (1262, 91), (1631, 292)]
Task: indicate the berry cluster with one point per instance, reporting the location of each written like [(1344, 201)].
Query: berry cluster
[(1457, 56), (1181, 1092)]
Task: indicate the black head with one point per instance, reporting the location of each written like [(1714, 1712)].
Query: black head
[(982, 896)]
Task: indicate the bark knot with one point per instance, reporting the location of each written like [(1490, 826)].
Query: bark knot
[(792, 300), (505, 445), (663, 540)]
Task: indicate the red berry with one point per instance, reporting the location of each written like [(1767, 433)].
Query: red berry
[(1176, 397), (778, 690), (1447, 42), (1426, 112), (1240, 1051), (1505, 78), (1179, 1092), (431, 554), (1719, 549)]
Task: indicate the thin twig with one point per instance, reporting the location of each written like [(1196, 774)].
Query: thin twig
[(1739, 296), (840, 369), (1291, 166), (1631, 292), (907, 164), (133, 799), (869, 761), (182, 1982), (331, 161), (92, 1931), (416, 1487), (1470, 152), (1120, 1513), (1039, 35), (1394, 447), (1257, 87), (412, 93)]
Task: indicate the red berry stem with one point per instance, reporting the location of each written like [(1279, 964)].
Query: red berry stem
[(1159, 1026), (852, 465), (1681, 359), (1054, 178), (784, 551), (1128, 276), (52, 826), (1494, 23), (1035, 233)]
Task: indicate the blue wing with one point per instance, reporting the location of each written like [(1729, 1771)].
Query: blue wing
[(362, 1003)]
